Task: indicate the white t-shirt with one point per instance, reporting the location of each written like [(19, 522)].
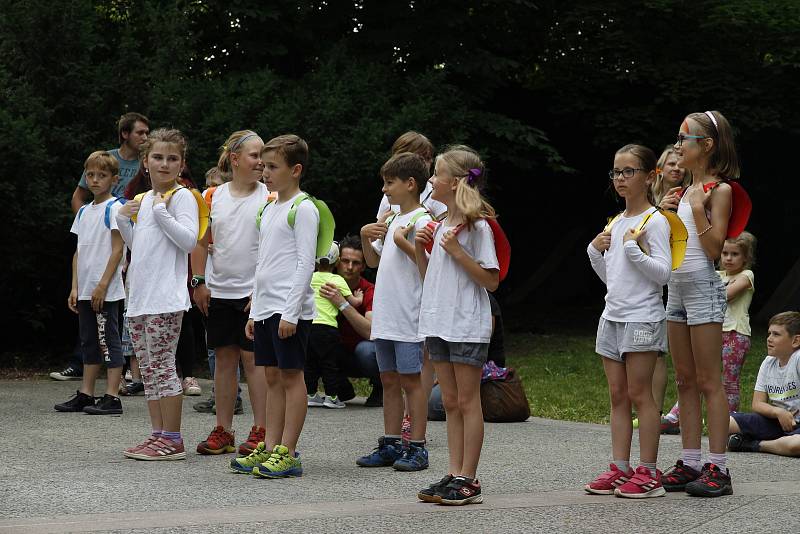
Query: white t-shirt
[(398, 286), (94, 249), (160, 243), (231, 269), (434, 207), (635, 280), (781, 384), (286, 258), (454, 307)]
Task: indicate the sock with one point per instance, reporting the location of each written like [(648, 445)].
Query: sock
[(718, 459), (623, 465), (420, 443), (691, 458), (172, 436), (651, 467), (157, 433)]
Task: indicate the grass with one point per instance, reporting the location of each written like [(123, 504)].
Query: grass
[(564, 379)]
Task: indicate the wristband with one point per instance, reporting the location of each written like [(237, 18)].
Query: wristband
[(197, 280), (344, 305)]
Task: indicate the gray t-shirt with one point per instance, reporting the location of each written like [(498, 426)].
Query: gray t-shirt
[(781, 384), (127, 170)]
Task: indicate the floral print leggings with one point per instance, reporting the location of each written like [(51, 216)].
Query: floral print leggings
[(155, 339), (734, 349)]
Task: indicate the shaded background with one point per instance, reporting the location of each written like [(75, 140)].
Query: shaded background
[(546, 91)]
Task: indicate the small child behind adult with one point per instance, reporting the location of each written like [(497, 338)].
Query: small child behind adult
[(774, 424), (97, 292), (323, 344)]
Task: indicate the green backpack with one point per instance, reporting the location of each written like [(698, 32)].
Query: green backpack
[(327, 224)]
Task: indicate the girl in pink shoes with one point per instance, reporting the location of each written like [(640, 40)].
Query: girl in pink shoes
[(696, 303), (160, 240), (631, 334)]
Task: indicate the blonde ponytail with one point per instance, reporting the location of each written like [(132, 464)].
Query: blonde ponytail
[(233, 145), (466, 167)]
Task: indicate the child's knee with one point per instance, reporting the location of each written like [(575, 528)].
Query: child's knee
[(390, 380)]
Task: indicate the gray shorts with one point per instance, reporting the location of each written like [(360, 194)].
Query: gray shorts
[(474, 354), (696, 298), (615, 339)]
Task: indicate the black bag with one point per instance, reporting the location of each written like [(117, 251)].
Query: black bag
[(504, 401)]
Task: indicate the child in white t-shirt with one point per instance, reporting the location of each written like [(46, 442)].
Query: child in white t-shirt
[(455, 314), (774, 425), (395, 314), (165, 232), (631, 333), (97, 291)]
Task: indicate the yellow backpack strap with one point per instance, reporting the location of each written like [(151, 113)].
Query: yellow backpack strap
[(646, 219), (611, 221), (138, 198)]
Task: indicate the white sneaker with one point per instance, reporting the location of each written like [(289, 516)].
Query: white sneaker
[(316, 400), (333, 402), (191, 387)]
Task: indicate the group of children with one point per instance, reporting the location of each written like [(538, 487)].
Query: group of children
[(705, 323), (254, 280)]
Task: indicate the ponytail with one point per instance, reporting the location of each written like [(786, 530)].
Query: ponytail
[(466, 167), (233, 145)]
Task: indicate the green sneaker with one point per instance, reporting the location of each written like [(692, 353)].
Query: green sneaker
[(279, 465), (245, 464)]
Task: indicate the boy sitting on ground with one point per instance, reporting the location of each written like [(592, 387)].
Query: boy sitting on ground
[(774, 427)]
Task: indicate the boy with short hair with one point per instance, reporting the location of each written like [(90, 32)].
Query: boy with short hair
[(97, 291), (283, 304), (395, 316), (324, 344), (774, 425)]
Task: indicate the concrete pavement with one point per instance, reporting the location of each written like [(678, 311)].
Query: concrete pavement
[(65, 473)]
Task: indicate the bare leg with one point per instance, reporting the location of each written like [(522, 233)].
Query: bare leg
[(113, 378), (294, 386), (707, 350), (156, 419), (256, 388), (90, 374), (468, 379), (225, 369), (686, 379), (417, 404), (785, 446), (621, 424), (392, 403), (276, 406), (660, 383), (639, 367), (171, 412), (136, 373), (455, 422)]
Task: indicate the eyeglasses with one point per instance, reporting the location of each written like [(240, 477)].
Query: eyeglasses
[(684, 137), (626, 173)]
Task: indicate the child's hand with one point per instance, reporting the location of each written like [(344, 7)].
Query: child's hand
[(671, 199), (696, 197), (202, 297), (602, 242), (286, 329), (786, 419), (211, 249), (72, 301), (450, 243), (158, 198), (385, 215), (130, 208), (249, 329), (401, 233), (357, 299), (424, 235), (99, 297), (374, 231), (246, 306)]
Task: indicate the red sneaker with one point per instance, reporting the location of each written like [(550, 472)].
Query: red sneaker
[(606, 483), (218, 442), (257, 435), (161, 449), (132, 450), (641, 485)]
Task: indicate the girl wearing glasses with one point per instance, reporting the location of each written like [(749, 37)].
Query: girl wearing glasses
[(632, 330), (696, 302)]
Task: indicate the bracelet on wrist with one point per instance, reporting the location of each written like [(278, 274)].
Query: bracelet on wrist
[(709, 227), (344, 305)]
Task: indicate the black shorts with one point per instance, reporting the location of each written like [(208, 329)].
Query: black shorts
[(100, 343), (226, 322), (271, 351), (756, 426)]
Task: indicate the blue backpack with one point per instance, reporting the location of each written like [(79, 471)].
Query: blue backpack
[(107, 216)]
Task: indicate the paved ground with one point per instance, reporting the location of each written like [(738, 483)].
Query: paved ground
[(64, 473)]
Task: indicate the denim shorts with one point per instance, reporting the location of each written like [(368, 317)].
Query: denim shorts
[(696, 298), (466, 353), (756, 426), (402, 357), (615, 339)]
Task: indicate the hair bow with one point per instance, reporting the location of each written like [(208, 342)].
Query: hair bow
[(472, 175)]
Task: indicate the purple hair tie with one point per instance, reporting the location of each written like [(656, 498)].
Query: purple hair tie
[(472, 175)]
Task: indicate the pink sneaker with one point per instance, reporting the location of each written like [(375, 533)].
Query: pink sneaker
[(160, 449), (606, 483), (405, 430), (132, 450), (641, 485)]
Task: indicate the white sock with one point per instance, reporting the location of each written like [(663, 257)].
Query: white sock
[(719, 460), (691, 458), (651, 467), (623, 465)]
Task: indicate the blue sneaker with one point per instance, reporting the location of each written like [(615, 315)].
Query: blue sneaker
[(414, 459), (384, 455)]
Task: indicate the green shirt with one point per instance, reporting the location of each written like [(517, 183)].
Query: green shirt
[(326, 311)]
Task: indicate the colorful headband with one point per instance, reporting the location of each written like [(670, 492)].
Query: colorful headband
[(711, 116), (473, 174)]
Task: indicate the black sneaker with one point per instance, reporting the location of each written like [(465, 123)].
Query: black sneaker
[(205, 406), (107, 405), (677, 476), (738, 443), (712, 483), (375, 399), (238, 409), (134, 388), (433, 493), (70, 373), (461, 491), (76, 403)]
